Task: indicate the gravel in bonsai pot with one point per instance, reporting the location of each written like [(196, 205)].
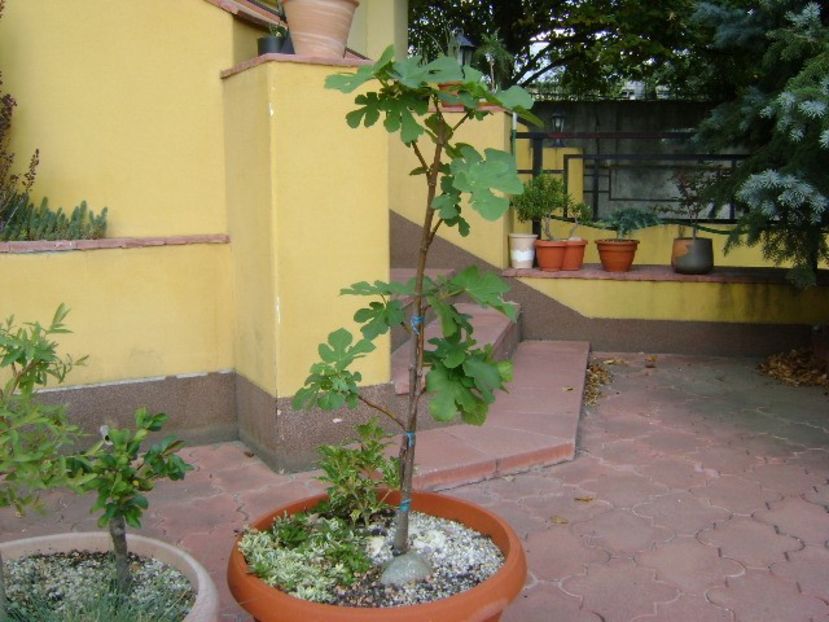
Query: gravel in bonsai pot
[(617, 254), (457, 377)]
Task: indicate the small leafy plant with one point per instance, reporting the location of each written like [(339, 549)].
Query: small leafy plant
[(116, 469), (544, 198), (692, 184), (629, 219), (27, 222), (32, 435)]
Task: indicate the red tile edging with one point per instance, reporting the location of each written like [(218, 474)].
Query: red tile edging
[(44, 246)]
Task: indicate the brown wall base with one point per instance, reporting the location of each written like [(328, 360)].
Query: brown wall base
[(544, 318), (201, 408)]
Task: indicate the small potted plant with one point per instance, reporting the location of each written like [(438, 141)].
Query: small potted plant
[(617, 254), (35, 458), (274, 41), (692, 255), (574, 252), (543, 197)]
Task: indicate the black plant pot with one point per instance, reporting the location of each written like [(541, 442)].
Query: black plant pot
[(270, 45)]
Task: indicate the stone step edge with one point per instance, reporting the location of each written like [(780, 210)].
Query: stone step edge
[(554, 450)]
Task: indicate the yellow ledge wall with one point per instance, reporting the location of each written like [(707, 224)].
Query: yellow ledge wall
[(137, 313), (701, 302)]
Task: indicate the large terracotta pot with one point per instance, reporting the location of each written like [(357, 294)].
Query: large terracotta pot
[(692, 255), (573, 255), (617, 255), (521, 250), (550, 254), (206, 607), (319, 27), (483, 603)]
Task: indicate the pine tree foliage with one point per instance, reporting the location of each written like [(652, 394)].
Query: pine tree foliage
[(781, 118)]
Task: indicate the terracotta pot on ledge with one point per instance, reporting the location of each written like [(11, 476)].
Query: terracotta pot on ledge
[(550, 254), (617, 255), (574, 255), (319, 27), (483, 603)]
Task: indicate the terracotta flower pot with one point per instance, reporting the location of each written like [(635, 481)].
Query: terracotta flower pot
[(521, 250), (617, 255), (574, 255), (550, 254), (206, 607), (319, 27), (483, 603), (692, 256)]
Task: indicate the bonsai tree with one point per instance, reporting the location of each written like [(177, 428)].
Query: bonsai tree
[(544, 196), (458, 376), (32, 435), (693, 199), (120, 474), (628, 219)]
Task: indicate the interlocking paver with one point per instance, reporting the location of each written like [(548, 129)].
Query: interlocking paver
[(786, 479), (809, 568), (795, 517), (725, 460), (545, 603), (759, 596), (682, 512), (688, 609), (624, 489), (557, 553), (750, 542), (619, 590), (621, 532), (736, 494), (676, 473), (690, 565), (818, 495)]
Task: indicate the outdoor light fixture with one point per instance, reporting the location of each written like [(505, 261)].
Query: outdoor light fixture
[(558, 127), (465, 48)]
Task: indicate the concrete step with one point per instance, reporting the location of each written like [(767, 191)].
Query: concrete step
[(402, 275), (533, 425), (490, 326)]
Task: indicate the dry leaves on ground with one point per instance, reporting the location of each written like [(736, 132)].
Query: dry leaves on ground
[(597, 376), (796, 368)]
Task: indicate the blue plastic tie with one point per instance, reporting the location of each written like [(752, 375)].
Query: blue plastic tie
[(410, 439), (416, 321), (405, 504)]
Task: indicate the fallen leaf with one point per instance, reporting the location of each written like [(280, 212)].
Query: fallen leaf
[(584, 499), (566, 388), (558, 520), (249, 453)]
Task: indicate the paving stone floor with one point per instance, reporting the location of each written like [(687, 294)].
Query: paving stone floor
[(699, 493)]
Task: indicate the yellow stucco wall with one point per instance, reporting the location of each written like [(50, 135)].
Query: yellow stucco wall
[(137, 313), (378, 24), (488, 239), (314, 221), (703, 302), (124, 101)]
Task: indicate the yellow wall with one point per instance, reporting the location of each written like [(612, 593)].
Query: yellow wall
[(378, 24), (488, 239), (703, 302), (137, 313), (306, 219), (124, 101)]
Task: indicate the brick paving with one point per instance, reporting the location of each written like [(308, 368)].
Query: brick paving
[(699, 492)]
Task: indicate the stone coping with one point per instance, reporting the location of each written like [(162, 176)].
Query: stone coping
[(46, 246), (295, 58), (725, 274)]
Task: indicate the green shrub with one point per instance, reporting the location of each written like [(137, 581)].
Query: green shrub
[(27, 222)]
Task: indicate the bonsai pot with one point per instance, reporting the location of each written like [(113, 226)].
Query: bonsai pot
[(574, 255), (521, 250), (206, 606), (483, 603), (550, 254), (319, 27), (692, 256), (617, 255)]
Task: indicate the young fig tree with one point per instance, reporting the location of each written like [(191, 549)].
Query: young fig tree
[(458, 376)]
